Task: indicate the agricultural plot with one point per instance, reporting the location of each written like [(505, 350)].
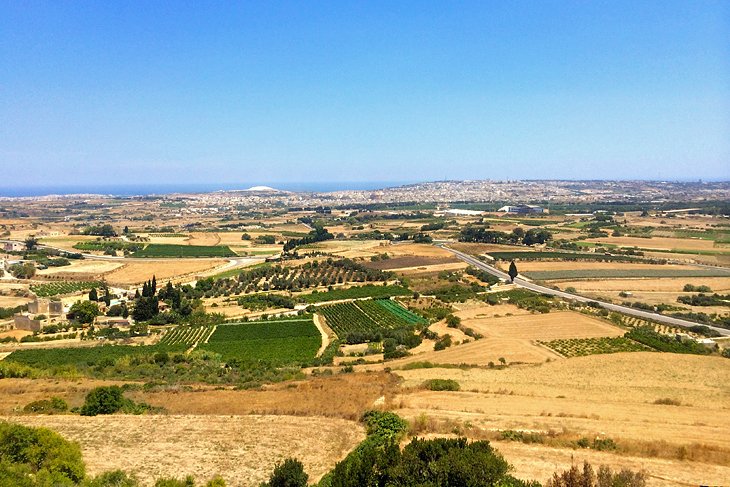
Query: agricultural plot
[(625, 273), (279, 342), (187, 335), (356, 292), (367, 317), (63, 287), (49, 358), (527, 255), (579, 347), (181, 251)]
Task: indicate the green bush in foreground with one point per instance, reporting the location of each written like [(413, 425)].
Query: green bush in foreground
[(288, 474), (37, 456)]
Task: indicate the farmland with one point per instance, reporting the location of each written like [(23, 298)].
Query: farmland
[(359, 320), (187, 335), (183, 251), (49, 358), (281, 342), (355, 292), (626, 273), (570, 256), (578, 347), (63, 287)]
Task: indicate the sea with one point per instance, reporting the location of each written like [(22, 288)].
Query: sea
[(161, 189)]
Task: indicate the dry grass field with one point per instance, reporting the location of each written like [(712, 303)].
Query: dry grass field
[(135, 272), (549, 326), (717, 284), (526, 266), (661, 243), (608, 395), (84, 266), (242, 449)]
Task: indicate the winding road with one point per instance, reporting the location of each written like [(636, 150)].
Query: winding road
[(669, 320)]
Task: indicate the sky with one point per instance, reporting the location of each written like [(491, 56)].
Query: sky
[(140, 92)]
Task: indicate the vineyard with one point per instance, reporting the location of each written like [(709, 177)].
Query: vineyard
[(48, 358), (187, 335), (63, 287), (279, 342), (361, 321), (171, 250), (579, 347)]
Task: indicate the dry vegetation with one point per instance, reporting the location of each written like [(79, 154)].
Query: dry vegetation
[(242, 449)]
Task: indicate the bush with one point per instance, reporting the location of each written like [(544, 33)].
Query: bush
[(586, 477), (103, 400), (443, 343), (115, 478), (38, 456), (441, 385), (47, 406), (290, 473)]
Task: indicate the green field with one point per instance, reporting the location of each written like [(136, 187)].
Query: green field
[(356, 292), (579, 347), (624, 273), (62, 287), (170, 250), (186, 335), (279, 342), (84, 356), (357, 321), (527, 255)]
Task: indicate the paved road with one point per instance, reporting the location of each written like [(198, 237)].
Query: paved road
[(609, 306)]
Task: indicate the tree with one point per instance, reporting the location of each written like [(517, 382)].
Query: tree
[(103, 400), (126, 229), (93, 295), (84, 311), (288, 474), (31, 243), (23, 271), (512, 271)]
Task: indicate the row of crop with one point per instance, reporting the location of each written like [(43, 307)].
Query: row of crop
[(85, 356), (62, 287), (264, 330), (347, 318), (403, 313), (187, 335), (172, 250), (278, 351), (567, 256), (380, 313), (579, 347), (356, 292)]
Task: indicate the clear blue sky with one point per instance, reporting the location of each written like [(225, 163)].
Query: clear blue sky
[(217, 91)]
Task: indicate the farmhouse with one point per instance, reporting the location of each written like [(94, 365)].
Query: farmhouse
[(522, 209), (13, 246), (45, 306), (25, 322)]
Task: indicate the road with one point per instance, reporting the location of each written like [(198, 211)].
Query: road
[(669, 320)]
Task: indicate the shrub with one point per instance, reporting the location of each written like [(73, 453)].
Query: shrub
[(667, 401), (441, 385), (115, 478), (290, 473), (103, 400), (443, 343), (39, 454), (47, 406), (586, 477)]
